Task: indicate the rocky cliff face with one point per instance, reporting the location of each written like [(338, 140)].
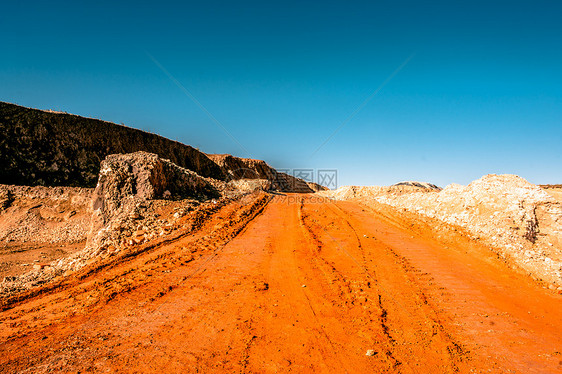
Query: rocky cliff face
[(246, 168), (57, 149), (243, 168)]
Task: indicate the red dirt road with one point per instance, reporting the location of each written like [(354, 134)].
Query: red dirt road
[(294, 285)]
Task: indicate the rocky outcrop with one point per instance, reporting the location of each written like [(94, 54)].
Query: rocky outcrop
[(146, 176), (59, 149), (243, 168), (127, 180), (250, 185), (287, 183), (246, 168)]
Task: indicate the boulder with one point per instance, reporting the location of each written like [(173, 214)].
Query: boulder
[(126, 180)]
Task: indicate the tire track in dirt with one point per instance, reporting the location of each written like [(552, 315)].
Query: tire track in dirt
[(390, 342), (457, 353), (387, 345), (287, 285), (286, 277), (340, 283), (505, 320)]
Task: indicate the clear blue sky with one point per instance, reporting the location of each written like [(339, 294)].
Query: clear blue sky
[(481, 94)]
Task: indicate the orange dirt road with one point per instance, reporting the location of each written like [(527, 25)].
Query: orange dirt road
[(294, 284)]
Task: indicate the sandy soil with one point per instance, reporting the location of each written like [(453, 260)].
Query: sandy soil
[(19, 258), (555, 192), (297, 284), (41, 224)]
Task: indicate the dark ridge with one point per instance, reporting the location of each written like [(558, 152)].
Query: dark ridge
[(59, 149)]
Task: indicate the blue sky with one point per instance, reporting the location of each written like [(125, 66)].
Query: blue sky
[(481, 92)]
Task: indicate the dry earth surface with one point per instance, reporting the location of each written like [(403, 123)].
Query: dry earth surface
[(518, 220), (41, 224), (290, 283)]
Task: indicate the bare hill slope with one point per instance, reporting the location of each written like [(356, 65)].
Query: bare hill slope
[(58, 149)]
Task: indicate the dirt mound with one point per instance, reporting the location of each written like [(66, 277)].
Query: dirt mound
[(355, 192), (520, 220), (41, 214), (54, 149), (554, 191)]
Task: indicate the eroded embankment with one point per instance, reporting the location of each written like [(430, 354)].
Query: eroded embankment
[(210, 228), (518, 220)]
